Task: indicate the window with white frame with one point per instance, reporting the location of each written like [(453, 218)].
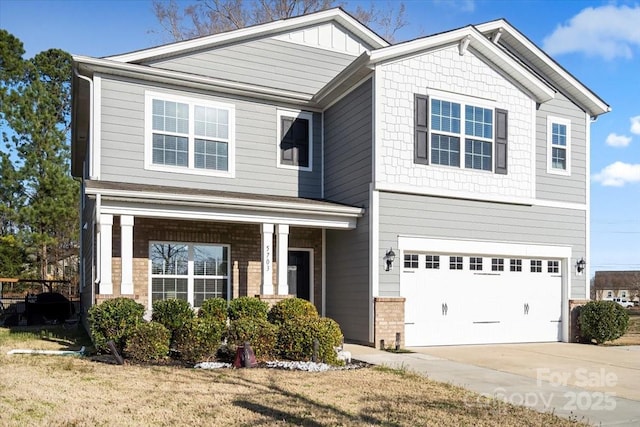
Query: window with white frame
[(191, 272), (189, 135), (553, 266), (295, 140), (558, 146), (497, 264), (515, 265), (449, 131)]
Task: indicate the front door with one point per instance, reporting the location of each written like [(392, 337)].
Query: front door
[(299, 274)]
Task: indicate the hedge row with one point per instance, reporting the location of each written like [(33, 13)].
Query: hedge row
[(286, 331)]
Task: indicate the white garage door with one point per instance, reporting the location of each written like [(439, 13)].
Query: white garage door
[(480, 299)]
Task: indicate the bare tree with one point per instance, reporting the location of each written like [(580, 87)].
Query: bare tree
[(205, 17)]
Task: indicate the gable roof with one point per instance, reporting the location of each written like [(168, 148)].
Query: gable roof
[(617, 279), (512, 40), (338, 15), (470, 38)]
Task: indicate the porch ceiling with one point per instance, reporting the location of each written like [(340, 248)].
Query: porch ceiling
[(193, 204)]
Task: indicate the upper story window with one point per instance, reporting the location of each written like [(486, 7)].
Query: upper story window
[(189, 135), (558, 146), (448, 131), (295, 141)]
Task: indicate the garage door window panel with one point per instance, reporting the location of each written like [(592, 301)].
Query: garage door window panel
[(553, 267), (432, 262), (475, 264), (411, 261), (536, 266), (497, 264), (455, 263), (515, 265)]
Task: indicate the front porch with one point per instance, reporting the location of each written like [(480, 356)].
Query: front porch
[(154, 242)]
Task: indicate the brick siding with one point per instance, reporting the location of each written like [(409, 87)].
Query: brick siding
[(389, 320)]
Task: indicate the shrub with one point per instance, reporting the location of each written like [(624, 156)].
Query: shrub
[(295, 339), (172, 314), (113, 320), (199, 339), (291, 308), (248, 307), (215, 308), (148, 341), (602, 321), (260, 334)]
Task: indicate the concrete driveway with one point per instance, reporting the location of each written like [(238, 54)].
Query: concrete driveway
[(603, 369), (598, 385)]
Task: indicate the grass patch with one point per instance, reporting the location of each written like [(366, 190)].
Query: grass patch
[(54, 390)]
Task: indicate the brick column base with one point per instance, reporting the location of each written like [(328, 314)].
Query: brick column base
[(574, 312), (389, 320), (273, 299)]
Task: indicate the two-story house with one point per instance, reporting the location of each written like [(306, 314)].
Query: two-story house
[(436, 188)]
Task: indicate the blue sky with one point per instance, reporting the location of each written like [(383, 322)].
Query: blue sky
[(597, 41)]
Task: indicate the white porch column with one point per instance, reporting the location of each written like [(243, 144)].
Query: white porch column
[(126, 254), (267, 259), (283, 259), (106, 224)]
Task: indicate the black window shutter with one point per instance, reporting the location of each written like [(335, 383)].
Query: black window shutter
[(502, 125), (421, 107)]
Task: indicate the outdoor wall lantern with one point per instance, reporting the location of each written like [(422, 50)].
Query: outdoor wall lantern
[(580, 265), (389, 257)]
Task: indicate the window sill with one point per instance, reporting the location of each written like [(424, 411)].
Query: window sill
[(189, 171)]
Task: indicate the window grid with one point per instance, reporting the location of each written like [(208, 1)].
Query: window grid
[(432, 262), (189, 272), (446, 118), (497, 264), (553, 266), (445, 150), (455, 263), (410, 261), (536, 266), (515, 265), (477, 154), (188, 133), (475, 264)]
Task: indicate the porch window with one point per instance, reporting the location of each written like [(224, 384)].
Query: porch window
[(189, 272)]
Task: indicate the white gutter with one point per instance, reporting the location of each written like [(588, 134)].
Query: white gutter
[(245, 203), (91, 136), (191, 80)]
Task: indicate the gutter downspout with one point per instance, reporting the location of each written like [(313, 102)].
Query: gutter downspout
[(91, 169)]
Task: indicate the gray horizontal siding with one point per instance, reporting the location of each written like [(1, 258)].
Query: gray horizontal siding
[(412, 215), (348, 142), (122, 146), (557, 187), (273, 63)]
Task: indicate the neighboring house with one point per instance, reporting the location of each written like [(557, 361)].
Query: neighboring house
[(616, 284), (298, 156)]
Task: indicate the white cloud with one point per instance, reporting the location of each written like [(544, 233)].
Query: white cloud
[(618, 174), (635, 125), (462, 5), (615, 140), (607, 31)]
